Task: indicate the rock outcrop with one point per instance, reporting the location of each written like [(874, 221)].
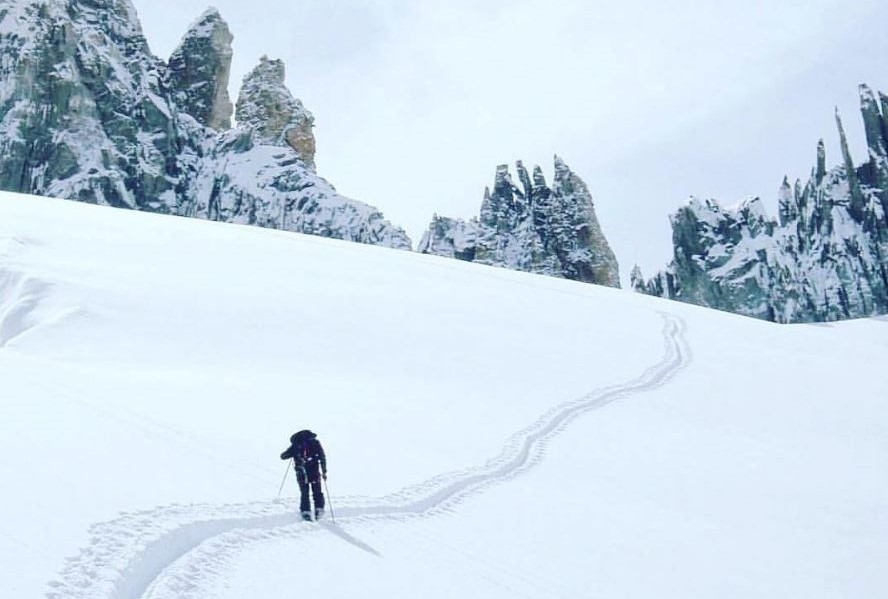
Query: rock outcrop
[(824, 258), (88, 113), (531, 227), (277, 118), (199, 70)]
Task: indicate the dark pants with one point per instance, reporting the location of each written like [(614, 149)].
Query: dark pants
[(310, 476)]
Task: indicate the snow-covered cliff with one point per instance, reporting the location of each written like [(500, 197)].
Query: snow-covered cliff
[(534, 228), (88, 113), (824, 258)]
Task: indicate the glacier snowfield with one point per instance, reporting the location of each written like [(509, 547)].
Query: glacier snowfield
[(489, 433)]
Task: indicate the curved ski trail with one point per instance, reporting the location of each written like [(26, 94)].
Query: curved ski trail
[(176, 551)]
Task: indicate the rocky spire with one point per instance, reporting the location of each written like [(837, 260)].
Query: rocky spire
[(199, 71), (856, 204), (576, 235), (502, 181), (499, 200), (821, 162), (786, 201), (873, 123), (542, 206), (539, 181), (266, 106), (486, 217), (524, 177)]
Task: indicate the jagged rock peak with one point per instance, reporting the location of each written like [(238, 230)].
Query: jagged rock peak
[(883, 100), (118, 17), (539, 181), (787, 202), (825, 258), (200, 68), (503, 178), (90, 114), (856, 200), (534, 228), (87, 89), (277, 118), (874, 126), (567, 179)]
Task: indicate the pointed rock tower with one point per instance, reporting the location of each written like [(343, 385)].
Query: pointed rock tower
[(531, 227), (199, 70), (270, 110)]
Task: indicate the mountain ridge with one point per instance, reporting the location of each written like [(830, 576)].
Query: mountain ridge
[(107, 122), (823, 258)]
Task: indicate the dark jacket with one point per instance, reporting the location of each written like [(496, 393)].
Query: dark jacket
[(306, 452)]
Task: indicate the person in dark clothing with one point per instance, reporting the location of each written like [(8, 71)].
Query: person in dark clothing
[(310, 464)]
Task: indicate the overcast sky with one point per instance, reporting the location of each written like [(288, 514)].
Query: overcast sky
[(648, 101)]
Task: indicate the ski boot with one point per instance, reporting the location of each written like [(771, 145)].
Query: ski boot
[(306, 516), (319, 513)]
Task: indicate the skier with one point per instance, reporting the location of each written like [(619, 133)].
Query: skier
[(310, 464)]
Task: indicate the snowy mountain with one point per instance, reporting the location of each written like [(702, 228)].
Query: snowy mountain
[(825, 258), (88, 113), (532, 228), (490, 433)]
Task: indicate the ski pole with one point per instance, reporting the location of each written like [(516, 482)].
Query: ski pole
[(286, 470), (329, 500)]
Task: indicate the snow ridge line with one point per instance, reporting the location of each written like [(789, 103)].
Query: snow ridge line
[(177, 551), (21, 296), (26, 301)]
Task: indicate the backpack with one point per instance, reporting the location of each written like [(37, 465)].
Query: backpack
[(302, 437), (301, 441)]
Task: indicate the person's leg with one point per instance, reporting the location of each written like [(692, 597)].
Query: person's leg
[(317, 492), (314, 477), (304, 502)]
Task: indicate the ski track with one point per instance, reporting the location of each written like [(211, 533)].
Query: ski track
[(181, 550)]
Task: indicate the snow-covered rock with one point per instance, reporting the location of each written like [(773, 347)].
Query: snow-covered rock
[(199, 70), (88, 113), (277, 118), (824, 258), (534, 228)]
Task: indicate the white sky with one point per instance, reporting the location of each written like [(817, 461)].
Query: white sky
[(650, 102)]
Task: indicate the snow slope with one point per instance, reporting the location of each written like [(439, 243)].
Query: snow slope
[(490, 433)]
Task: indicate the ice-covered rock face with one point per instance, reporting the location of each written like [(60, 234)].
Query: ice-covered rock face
[(531, 227), (266, 106), (83, 112), (261, 184), (451, 237), (199, 71), (825, 258), (88, 113)]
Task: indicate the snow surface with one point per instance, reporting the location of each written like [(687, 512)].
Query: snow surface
[(490, 433)]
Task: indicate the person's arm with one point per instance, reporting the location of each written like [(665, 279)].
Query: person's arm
[(287, 454)]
